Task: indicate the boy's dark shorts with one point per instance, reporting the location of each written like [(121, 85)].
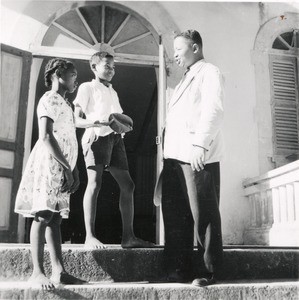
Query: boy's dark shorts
[(107, 150)]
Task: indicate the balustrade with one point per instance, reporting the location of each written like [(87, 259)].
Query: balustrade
[(274, 207)]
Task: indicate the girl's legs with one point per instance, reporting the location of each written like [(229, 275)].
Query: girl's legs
[(90, 205), (37, 241), (126, 206), (53, 237)]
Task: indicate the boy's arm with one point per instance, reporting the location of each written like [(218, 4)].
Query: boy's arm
[(85, 123), (80, 121), (81, 103)]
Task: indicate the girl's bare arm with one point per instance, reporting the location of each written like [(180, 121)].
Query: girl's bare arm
[(46, 135), (84, 123)]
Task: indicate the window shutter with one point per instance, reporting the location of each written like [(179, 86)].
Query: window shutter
[(284, 101)]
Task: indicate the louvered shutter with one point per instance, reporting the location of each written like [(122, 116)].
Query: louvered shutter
[(284, 101)]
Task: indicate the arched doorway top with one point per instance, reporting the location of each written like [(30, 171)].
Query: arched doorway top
[(87, 26), (132, 28)]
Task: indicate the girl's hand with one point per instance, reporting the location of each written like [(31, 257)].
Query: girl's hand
[(97, 124), (76, 183), (103, 123), (68, 181)]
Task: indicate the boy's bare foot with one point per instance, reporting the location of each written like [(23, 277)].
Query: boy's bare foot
[(65, 278), (93, 243), (40, 281), (135, 242)]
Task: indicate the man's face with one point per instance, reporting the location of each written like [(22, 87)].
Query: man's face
[(104, 69), (183, 52)]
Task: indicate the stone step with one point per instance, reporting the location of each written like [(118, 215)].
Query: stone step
[(236, 290), (135, 265)]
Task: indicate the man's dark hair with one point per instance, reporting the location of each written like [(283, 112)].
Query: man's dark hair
[(191, 35)]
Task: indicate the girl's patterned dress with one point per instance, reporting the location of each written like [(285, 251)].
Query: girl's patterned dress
[(43, 176)]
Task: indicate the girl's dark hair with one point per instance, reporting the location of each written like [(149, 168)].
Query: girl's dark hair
[(53, 65)]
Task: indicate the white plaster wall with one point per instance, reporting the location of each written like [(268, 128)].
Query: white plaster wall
[(272, 10), (17, 29), (24, 22), (228, 31)]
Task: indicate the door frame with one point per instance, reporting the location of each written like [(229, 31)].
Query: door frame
[(10, 234)]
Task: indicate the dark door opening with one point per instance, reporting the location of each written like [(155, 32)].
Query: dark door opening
[(137, 90)]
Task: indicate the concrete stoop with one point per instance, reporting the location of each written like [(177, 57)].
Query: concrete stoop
[(131, 265), (116, 273), (273, 290)]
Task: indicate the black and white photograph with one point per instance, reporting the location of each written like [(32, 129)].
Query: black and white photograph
[(149, 150)]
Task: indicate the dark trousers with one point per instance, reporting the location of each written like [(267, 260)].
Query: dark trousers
[(190, 199)]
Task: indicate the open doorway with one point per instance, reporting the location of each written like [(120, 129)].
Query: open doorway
[(137, 90)]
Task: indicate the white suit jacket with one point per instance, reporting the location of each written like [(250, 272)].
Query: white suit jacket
[(194, 117)]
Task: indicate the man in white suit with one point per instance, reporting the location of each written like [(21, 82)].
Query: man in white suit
[(191, 172)]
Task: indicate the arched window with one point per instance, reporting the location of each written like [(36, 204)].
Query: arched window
[(284, 76), (82, 29), (287, 41)]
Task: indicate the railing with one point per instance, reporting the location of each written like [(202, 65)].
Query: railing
[(274, 207)]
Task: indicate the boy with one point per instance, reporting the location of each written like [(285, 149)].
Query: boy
[(103, 148)]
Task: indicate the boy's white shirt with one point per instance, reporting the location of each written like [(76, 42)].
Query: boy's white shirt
[(97, 101)]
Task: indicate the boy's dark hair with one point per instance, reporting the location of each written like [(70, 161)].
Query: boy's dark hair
[(192, 35), (97, 57), (52, 66)]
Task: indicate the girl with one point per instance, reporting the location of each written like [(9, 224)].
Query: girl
[(51, 173)]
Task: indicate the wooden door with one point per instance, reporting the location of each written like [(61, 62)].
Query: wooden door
[(15, 73)]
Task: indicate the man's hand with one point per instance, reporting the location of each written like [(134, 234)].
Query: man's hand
[(198, 158)]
